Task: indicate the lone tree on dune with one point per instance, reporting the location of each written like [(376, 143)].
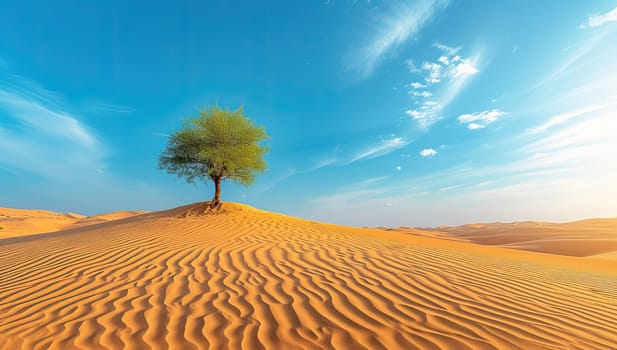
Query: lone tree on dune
[(216, 145)]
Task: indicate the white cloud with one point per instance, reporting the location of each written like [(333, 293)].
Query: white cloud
[(428, 152), (425, 116), (465, 68), (384, 147), (411, 66), (474, 126), (424, 94), (405, 20), (480, 120), (444, 60), (414, 114), (598, 20), (443, 78), (448, 50), (434, 72)]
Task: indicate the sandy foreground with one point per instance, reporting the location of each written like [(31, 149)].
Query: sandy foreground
[(249, 279)]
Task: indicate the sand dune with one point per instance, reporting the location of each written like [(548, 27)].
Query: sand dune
[(249, 279), (18, 222), (593, 237)]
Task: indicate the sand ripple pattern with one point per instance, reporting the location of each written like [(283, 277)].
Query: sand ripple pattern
[(255, 280)]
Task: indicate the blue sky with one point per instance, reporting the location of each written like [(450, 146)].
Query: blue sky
[(381, 113)]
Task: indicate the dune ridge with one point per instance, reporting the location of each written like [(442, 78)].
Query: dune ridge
[(249, 279), (591, 237), (19, 222)]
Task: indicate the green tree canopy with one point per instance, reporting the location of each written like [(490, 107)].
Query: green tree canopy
[(217, 145)]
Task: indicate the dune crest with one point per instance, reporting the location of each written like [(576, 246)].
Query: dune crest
[(585, 238), (204, 209), (250, 279), (19, 222)]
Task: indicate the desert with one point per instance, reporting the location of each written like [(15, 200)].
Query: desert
[(326, 174), (242, 278)]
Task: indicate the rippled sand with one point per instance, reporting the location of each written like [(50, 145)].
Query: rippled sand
[(250, 279)]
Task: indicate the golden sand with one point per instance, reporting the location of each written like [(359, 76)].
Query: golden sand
[(19, 222), (242, 278), (593, 237)]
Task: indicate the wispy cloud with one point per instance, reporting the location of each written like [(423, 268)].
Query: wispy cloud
[(372, 188), (273, 181), (573, 59), (368, 182), (593, 128), (428, 152), (598, 20), (113, 108), (443, 79), (322, 163), (565, 117), (35, 116), (404, 21), (382, 148), (480, 120), (450, 51), (376, 150), (41, 137)]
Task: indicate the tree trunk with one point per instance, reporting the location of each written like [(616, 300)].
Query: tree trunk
[(217, 192)]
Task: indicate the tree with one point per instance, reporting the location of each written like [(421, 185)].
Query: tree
[(217, 145)]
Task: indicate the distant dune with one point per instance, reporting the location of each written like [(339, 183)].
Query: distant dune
[(242, 278), (580, 238), (18, 222)]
